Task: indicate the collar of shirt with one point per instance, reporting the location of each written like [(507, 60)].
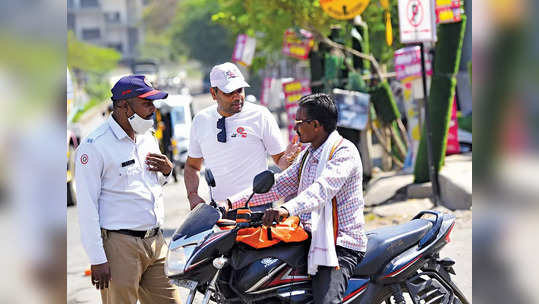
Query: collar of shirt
[(116, 129), (315, 154)]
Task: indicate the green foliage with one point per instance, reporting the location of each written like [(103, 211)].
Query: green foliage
[(441, 96), (356, 82), (268, 20), (442, 92), (158, 18), (465, 123), (194, 34), (90, 58), (384, 103), (374, 17)]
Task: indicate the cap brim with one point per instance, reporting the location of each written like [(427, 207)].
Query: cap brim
[(234, 85), (154, 95)]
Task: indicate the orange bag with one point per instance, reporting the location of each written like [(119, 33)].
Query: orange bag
[(261, 237)]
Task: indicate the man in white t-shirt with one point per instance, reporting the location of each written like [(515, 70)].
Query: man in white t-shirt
[(233, 138)]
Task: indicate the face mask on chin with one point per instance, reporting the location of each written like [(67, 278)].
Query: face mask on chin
[(139, 124)]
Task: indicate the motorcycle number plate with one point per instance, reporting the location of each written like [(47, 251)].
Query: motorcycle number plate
[(187, 284)]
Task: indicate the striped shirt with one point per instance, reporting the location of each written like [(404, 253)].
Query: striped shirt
[(341, 178)]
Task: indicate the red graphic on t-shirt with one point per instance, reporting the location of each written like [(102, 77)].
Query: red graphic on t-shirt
[(241, 131), (84, 159)]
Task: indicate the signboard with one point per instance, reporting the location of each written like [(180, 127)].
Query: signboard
[(408, 63), (353, 109), (343, 9), (295, 46), (244, 50), (293, 90), (448, 11), (416, 21)]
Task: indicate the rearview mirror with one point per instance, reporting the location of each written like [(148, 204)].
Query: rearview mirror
[(209, 178), (263, 182)]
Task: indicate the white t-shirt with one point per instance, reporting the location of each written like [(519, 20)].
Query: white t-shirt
[(250, 135)]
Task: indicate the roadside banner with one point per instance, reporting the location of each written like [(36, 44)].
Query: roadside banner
[(297, 47), (453, 146), (408, 63), (448, 11), (293, 90), (244, 50)]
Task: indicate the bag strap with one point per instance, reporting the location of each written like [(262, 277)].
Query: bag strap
[(303, 159), (334, 200)]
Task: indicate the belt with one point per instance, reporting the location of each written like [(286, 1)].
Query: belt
[(141, 234)]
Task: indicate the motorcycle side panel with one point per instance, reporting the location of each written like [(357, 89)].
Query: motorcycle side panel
[(255, 275), (294, 254)]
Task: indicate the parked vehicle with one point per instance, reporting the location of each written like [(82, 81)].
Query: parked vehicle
[(402, 263), (174, 125)]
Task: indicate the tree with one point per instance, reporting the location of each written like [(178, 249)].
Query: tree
[(268, 20), (158, 18), (90, 58), (91, 63), (194, 34)]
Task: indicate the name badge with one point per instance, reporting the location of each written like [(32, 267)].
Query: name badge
[(127, 163)]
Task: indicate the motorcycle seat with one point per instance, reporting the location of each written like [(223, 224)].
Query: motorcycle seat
[(387, 242)]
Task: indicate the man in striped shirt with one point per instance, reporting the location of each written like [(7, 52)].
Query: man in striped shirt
[(340, 181)]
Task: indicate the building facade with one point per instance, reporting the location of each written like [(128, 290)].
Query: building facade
[(108, 23)]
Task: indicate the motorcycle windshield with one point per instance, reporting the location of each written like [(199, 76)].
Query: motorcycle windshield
[(200, 219)]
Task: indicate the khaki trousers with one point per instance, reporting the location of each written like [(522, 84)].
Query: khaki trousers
[(137, 270)]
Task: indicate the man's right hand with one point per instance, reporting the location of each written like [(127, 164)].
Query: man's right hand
[(194, 200), (101, 275)]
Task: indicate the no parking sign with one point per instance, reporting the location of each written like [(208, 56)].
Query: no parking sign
[(417, 21)]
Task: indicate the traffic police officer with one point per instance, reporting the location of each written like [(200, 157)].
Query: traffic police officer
[(119, 175)]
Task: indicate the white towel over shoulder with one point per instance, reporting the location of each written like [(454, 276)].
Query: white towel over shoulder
[(322, 251)]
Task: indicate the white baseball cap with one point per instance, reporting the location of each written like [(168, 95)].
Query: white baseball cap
[(227, 77)]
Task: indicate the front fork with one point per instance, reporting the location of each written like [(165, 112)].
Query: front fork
[(211, 288), (219, 263)]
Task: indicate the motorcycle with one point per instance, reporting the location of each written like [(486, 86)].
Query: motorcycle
[(400, 260)]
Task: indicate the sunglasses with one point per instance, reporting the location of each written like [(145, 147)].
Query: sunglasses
[(239, 91), (221, 136), (299, 122)]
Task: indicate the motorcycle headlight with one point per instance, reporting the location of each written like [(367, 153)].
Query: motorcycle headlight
[(175, 262)]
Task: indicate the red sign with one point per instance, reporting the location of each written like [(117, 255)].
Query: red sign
[(296, 47), (453, 146), (293, 91), (448, 11)]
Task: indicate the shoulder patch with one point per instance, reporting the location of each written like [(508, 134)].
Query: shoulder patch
[(90, 140)]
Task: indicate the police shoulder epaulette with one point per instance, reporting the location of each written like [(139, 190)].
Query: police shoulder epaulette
[(96, 134)]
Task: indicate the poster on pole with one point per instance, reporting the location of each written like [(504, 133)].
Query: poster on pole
[(293, 90), (297, 47), (244, 50), (448, 11), (453, 146), (417, 21), (408, 63)]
